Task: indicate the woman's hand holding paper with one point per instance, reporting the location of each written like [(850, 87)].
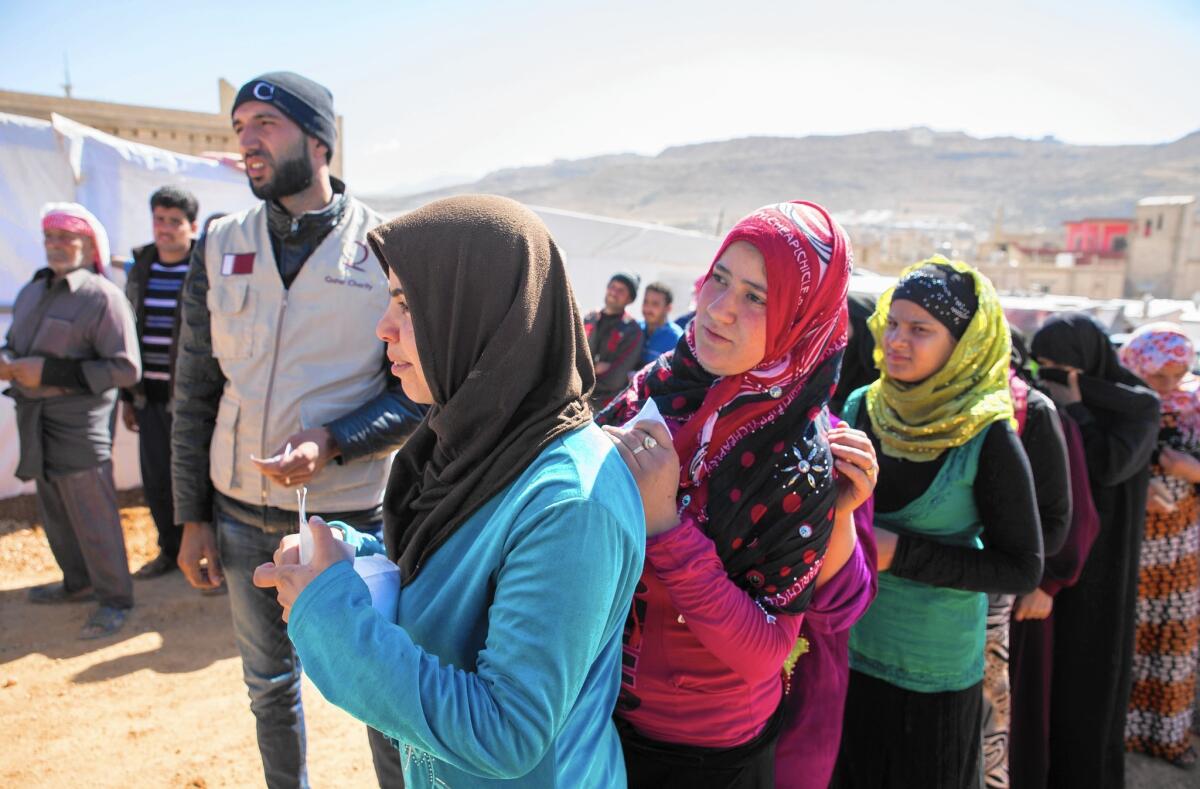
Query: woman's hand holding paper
[(288, 577)]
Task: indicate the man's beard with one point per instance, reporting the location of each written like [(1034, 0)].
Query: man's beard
[(293, 175)]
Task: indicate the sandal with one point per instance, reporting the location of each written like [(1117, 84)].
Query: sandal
[(104, 621)]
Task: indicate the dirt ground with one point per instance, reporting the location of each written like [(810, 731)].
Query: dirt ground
[(162, 704)]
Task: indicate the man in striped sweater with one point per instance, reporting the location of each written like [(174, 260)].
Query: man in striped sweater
[(153, 289)]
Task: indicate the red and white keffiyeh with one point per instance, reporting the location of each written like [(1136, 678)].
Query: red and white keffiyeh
[(74, 218)]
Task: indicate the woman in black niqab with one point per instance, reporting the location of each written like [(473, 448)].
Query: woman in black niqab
[(1094, 621)]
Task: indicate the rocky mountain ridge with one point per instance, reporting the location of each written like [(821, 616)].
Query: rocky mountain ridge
[(914, 174)]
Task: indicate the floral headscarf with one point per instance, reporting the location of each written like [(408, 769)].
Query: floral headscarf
[(756, 471), (1151, 348)]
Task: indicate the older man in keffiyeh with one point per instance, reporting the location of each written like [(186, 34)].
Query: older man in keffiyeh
[(71, 344)]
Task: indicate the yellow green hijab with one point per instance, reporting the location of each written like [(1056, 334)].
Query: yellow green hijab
[(920, 421)]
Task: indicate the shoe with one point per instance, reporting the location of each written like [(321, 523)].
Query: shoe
[(49, 594), (216, 591), (104, 621), (1186, 760), (159, 565)]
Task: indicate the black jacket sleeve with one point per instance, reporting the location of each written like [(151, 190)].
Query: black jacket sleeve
[(135, 291), (198, 383), (1121, 446), (1046, 447), (379, 425), (1011, 559)]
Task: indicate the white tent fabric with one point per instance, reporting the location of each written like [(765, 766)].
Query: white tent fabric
[(115, 179), (597, 247), (34, 170), (62, 160)]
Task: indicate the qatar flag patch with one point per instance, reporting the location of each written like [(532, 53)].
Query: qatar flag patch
[(238, 263)]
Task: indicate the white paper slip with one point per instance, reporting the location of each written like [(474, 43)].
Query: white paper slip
[(306, 538), (287, 450), (649, 413), (383, 579)]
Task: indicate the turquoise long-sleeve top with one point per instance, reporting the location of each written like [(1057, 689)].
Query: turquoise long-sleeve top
[(504, 661)]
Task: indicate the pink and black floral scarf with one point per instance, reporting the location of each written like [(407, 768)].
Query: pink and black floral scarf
[(757, 474)]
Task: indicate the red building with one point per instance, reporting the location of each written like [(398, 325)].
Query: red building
[(1098, 235)]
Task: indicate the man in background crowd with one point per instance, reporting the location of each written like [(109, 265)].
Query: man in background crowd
[(153, 289), (659, 332), (72, 342), (615, 338), (281, 382)]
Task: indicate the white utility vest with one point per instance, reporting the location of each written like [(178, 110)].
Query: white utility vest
[(294, 358)]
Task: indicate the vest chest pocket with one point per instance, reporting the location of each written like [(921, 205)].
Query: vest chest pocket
[(231, 307)]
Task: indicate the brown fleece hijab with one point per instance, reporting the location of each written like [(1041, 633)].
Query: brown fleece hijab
[(503, 350)]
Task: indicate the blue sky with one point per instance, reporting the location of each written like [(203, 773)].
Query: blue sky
[(434, 90)]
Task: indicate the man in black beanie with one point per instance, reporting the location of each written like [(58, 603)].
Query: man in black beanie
[(285, 170), (615, 338), (280, 382)]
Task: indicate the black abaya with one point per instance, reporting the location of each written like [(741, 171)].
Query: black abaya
[(1094, 621)]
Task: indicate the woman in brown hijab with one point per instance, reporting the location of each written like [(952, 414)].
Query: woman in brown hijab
[(517, 527)]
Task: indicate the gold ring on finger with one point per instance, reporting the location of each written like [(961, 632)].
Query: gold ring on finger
[(649, 443)]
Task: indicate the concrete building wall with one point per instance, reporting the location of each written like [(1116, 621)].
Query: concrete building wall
[(1160, 245), (1188, 280), (1096, 281)]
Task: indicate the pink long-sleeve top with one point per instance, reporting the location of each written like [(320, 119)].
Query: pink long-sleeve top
[(701, 659)]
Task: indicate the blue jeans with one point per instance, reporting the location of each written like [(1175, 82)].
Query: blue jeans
[(270, 667)]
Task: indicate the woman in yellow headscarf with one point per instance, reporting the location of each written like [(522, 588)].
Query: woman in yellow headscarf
[(953, 479)]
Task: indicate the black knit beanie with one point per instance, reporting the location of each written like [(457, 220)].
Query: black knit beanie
[(308, 104), (630, 280), (944, 292)]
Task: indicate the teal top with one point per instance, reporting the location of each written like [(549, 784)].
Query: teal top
[(503, 664), (916, 636)]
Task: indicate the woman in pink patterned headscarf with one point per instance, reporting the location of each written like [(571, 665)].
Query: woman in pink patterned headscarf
[(1168, 611), (741, 501)]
